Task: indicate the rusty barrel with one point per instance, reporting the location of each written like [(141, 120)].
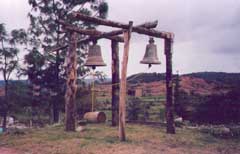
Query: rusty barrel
[(96, 116)]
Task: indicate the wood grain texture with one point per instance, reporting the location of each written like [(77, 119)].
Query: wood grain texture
[(123, 84), (71, 87)]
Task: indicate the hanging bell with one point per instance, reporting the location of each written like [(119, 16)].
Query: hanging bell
[(150, 56), (94, 58)]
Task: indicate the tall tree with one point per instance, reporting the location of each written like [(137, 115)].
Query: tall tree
[(9, 59), (46, 32), (34, 71)]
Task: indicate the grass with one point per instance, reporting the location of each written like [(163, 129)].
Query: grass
[(101, 138)]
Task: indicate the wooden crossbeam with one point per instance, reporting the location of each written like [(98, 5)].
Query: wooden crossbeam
[(146, 25), (154, 33), (91, 32), (105, 22), (140, 30), (65, 46)]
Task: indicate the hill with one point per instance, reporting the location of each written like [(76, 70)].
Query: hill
[(220, 77), (232, 79), (146, 77), (153, 84)]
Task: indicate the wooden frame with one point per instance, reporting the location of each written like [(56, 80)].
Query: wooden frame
[(126, 29)]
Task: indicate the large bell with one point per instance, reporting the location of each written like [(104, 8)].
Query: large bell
[(150, 56), (94, 58)]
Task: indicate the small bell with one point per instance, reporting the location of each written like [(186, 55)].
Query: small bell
[(150, 56), (94, 58)]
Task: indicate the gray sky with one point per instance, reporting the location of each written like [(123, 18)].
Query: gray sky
[(206, 31)]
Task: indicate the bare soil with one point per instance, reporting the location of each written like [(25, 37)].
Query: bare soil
[(8, 151)]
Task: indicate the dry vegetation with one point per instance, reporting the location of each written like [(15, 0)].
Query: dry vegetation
[(102, 139)]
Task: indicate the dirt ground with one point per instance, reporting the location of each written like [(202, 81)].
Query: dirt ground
[(148, 148), (8, 151)]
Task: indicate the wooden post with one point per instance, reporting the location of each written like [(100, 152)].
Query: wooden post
[(115, 82), (123, 84), (71, 88), (169, 87)]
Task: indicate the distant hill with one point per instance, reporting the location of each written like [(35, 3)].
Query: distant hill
[(218, 77), (146, 77), (203, 83), (89, 81)]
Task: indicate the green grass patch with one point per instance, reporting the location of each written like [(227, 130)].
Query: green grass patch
[(97, 137)]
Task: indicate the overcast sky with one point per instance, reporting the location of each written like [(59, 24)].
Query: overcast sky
[(207, 31)]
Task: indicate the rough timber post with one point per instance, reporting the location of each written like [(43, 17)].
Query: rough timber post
[(71, 73), (123, 84), (115, 82), (169, 86)]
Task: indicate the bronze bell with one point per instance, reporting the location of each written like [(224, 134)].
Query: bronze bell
[(94, 58), (150, 56)]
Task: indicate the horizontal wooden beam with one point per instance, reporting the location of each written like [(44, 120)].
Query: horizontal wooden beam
[(96, 34), (153, 33), (103, 35), (90, 32), (79, 42), (118, 32), (105, 22), (140, 30), (65, 46)]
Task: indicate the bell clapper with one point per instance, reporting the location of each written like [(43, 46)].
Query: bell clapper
[(93, 67), (94, 42)]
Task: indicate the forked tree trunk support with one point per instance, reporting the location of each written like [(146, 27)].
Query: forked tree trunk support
[(71, 87), (169, 86), (123, 84), (115, 82)]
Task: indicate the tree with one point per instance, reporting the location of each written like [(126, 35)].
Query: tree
[(9, 59), (34, 71), (46, 31)]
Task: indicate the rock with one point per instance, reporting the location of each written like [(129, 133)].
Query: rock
[(82, 122), (21, 126), (80, 129), (10, 120), (56, 124), (192, 127), (15, 131), (217, 131), (180, 119), (224, 130)]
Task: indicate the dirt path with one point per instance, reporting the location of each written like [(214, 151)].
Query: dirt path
[(7, 151)]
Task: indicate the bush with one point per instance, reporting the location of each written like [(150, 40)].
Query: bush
[(215, 109), (133, 109), (83, 101)]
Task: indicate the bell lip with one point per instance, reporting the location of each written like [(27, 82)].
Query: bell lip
[(154, 63), (97, 65)]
